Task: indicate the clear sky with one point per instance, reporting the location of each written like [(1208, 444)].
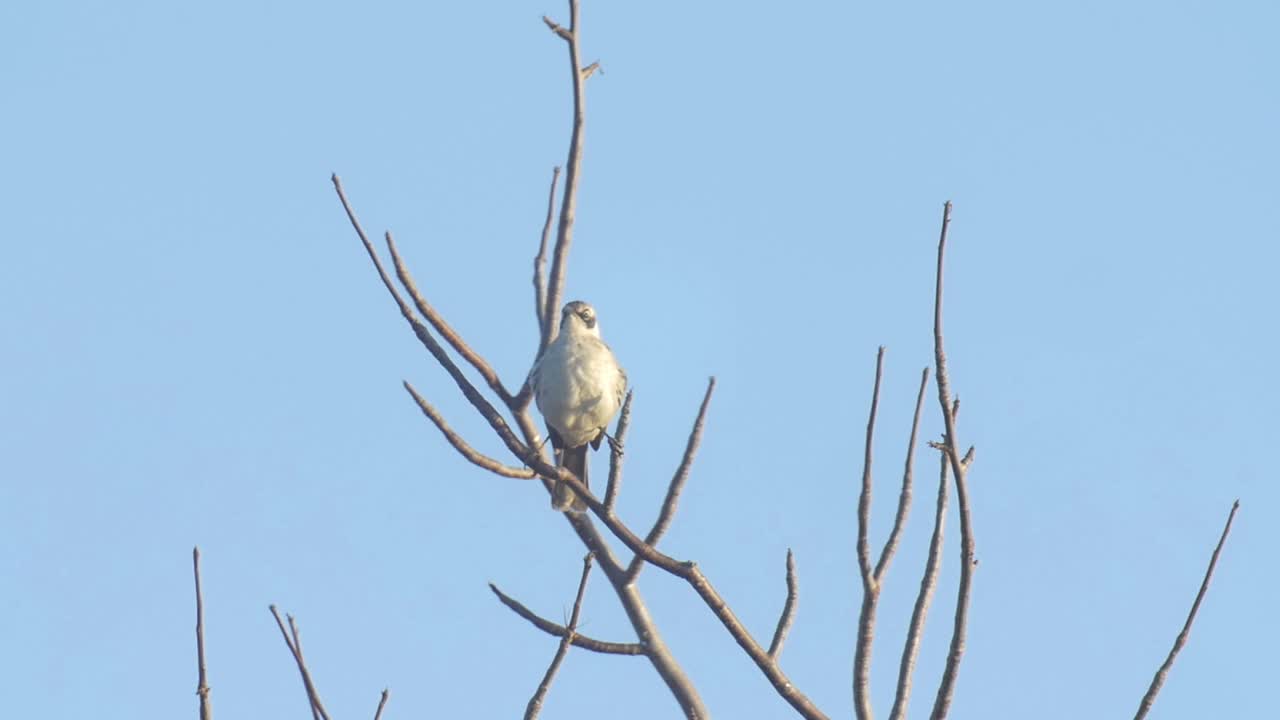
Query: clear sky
[(196, 351)]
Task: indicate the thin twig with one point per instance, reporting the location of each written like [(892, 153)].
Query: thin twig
[(476, 457), (928, 583), (616, 453), (405, 310), (668, 511), (569, 198), (1158, 681), (295, 647), (870, 584), (540, 260), (788, 609), (202, 688), (904, 498), (585, 642), (382, 702), (442, 326), (535, 702), (959, 471)]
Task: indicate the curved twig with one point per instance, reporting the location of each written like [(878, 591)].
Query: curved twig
[(604, 647), (540, 260), (788, 610)]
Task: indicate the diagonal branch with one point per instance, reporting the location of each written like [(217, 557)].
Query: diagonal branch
[(295, 647), (959, 470), (569, 199), (405, 310), (202, 687), (668, 511), (1158, 681), (603, 647), (468, 452), (928, 583), (616, 453), (870, 583), (904, 499), (382, 702), (788, 609), (445, 330), (535, 702)]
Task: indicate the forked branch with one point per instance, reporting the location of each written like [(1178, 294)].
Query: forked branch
[(294, 642)]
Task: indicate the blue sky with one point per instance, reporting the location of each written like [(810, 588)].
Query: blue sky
[(196, 350)]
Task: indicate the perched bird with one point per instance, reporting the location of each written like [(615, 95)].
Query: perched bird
[(578, 386)]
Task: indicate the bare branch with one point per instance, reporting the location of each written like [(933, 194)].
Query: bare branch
[(915, 630), (202, 687), (788, 610), (591, 69), (405, 310), (959, 470), (468, 452), (382, 702), (616, 453), (781, 683), (535, 702), (569, 199), (603, 647), (904, 498), (445, 330), (295, 647), (870, 583), (540, 260), (668, 511), (1158, 681)]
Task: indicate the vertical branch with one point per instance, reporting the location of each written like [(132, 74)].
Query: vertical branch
[(540, 260), (202, 688), (915, 630), (569, 199), (870, 585), (1158, 681), (942, 703), (615, 453), (535, 702)]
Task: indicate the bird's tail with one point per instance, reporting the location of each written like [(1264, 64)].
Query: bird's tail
[(562, 496)]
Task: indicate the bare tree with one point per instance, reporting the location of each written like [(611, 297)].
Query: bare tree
[(509, 416)]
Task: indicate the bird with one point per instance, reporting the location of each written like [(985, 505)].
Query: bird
[(578, 386)]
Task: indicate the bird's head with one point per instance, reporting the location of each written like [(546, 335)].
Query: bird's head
[(579, 317)]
